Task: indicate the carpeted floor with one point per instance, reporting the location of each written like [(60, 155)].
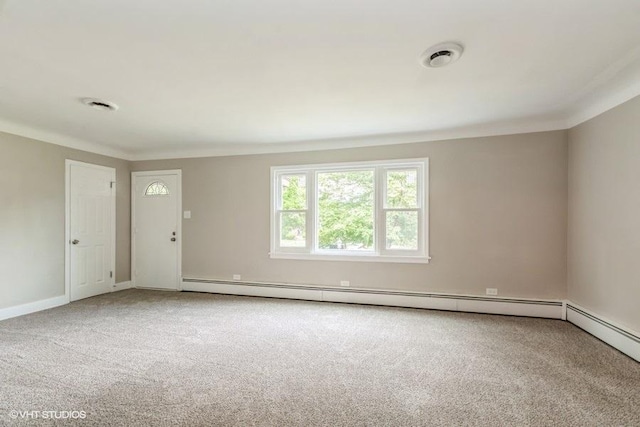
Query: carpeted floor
[(159, 358)]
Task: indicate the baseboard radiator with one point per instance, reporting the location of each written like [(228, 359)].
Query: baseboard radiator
[(435, 301), (623, 339), (628, 342)]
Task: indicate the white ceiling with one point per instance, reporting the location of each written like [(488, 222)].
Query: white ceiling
[(211, 77)]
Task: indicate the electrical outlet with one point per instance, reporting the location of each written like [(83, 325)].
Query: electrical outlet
[(236, 277), (344, 283), (186, 215), (492, 291)]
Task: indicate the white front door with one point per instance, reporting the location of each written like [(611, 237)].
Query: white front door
[(90, 229), (156, 229)]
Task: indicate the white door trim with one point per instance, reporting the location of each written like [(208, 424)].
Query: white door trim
[(67, 221), (134, 175)]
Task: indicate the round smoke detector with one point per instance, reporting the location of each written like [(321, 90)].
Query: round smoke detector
[(99, 104), (441, 55)]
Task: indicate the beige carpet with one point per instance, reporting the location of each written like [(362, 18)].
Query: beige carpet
[(159, 358)]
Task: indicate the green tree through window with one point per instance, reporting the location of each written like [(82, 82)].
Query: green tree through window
[(293, 224), (374, 210), (402, 223), (346, 210)]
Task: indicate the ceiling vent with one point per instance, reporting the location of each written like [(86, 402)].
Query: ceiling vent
[(99, 104), (441, 55)]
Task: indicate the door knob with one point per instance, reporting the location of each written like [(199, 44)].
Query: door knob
[(75, 241), (173, 239)]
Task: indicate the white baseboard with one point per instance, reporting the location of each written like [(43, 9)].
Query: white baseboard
[(45, 304), (122, 286), (621, 338), (552, 309), (32, 307)]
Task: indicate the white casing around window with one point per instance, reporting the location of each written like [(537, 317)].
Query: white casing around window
[(379, 254)]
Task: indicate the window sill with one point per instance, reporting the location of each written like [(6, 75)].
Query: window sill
[(353, 258)]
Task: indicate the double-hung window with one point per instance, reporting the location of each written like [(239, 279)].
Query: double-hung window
[(366, 211)]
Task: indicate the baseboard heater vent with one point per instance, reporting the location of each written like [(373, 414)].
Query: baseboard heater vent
[(624, 340), (451, 302), (604, 323)]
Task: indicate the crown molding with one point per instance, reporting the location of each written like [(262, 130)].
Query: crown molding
[(604, 104), (611, 100), (477, 131), (62, 140), (613, 86)]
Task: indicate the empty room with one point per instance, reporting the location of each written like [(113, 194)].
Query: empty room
[(316, 213)]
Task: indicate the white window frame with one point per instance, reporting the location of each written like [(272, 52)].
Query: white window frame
[(276, 212), (379, 253)]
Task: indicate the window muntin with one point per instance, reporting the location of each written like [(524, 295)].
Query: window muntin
[(156, 188), (351, 211), (401, 209), (292, 210)]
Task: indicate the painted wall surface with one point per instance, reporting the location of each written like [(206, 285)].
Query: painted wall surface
[(32, 209), (498, 218), (604, 214)]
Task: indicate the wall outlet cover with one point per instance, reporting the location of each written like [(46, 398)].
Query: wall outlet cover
[(236, 277), (344, 283), (492, 291)]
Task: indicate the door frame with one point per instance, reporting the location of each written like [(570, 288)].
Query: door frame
[(134, 178), (67, 222)]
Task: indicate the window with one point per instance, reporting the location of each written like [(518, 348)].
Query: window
[(368, 211), (156, 188)]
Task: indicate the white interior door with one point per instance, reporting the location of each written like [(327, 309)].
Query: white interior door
[(156, 229), (90, 229)]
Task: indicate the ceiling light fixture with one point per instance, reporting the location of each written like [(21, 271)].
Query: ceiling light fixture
[(99, 104), (441, 55)]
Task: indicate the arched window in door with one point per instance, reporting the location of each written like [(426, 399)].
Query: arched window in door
[(156, 188)]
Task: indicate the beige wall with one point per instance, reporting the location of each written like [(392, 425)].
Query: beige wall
[(32, 194), (604, 214), (498, 218)]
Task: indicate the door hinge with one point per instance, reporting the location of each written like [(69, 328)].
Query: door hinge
[(111, 274)]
